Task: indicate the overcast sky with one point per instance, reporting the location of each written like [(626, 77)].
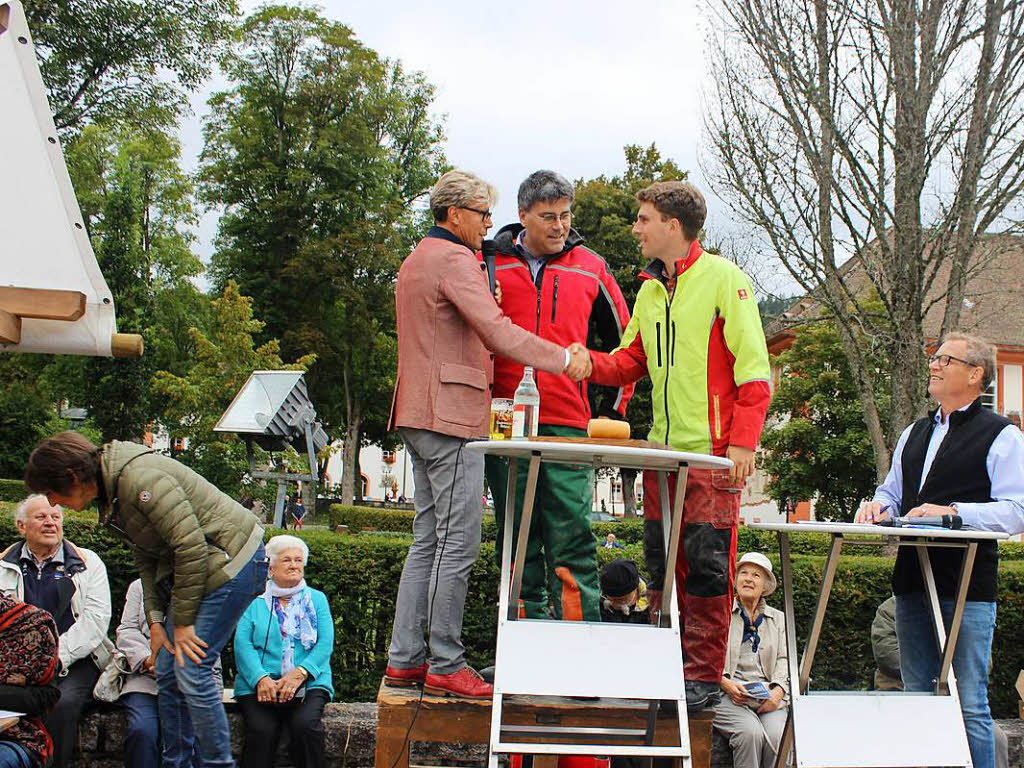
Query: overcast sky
[(538, 84)]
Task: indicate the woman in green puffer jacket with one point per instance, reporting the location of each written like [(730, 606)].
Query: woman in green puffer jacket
[(201, 558)]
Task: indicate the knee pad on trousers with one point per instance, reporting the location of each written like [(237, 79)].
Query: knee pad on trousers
[(707, 558)]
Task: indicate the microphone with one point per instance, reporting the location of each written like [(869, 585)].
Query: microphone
[(952, 522), (488, 249)]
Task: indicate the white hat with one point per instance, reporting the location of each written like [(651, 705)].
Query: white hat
[(762, 562)]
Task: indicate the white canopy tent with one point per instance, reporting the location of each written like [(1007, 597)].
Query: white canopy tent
[(53, 297)]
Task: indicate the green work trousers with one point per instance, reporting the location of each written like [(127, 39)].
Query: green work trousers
[(560, 573)]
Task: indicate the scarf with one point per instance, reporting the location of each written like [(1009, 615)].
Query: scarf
[(750, 629), (28, 656), (297, 619)]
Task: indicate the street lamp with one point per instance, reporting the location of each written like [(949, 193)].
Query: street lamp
[(273, 410)]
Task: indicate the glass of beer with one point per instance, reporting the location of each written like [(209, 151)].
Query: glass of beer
[(501, 418)]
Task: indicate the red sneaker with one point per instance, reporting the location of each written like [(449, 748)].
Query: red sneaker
[(466, 683), (405, 678)]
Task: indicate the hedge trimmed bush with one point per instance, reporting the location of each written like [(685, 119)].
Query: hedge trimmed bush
[(360, 575), (12, 490), (626, 531), (395, 520)]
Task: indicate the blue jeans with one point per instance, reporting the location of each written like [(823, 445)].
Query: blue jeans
[(190, 701), (919, 663), (13, 755), (142, 730)]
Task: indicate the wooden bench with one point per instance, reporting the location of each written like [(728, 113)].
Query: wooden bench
[(402, 718)]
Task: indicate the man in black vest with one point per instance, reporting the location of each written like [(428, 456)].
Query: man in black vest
[(961, 459)]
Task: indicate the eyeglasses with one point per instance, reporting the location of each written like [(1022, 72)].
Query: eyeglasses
[(551, 218), (944, 361), (483, 214)]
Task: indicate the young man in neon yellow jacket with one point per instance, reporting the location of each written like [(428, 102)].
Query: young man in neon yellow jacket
[(697, 333)]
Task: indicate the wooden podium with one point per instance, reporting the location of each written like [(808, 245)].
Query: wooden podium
[(468, 721)]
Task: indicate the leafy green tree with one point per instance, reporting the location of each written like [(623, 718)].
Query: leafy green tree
[(116, 392), (124, 62), (25, 410), (195, 401), (603, 213), (816, 444), (138, 205), (317, 153)]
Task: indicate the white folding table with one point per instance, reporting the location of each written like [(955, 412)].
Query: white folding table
[(560, 658), (886, 729)]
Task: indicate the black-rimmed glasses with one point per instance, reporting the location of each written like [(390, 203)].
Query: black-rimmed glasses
[(944, 361), (483, 214)]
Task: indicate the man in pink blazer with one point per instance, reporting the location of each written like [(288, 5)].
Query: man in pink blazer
[(448, 325)]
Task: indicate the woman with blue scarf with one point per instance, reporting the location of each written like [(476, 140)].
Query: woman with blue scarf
[(752, 714), (283, 647)]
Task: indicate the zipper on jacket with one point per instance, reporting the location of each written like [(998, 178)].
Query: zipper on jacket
[(718, 419), (540, 295), (657, 328), (668, 418), (554, 300), (673, 359)]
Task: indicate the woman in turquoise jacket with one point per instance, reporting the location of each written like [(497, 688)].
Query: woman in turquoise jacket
[(283, 646)]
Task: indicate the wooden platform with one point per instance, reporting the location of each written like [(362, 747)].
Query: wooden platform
[(402, 719)]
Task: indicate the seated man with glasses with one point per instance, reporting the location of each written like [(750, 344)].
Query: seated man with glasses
[(961, 459), (554, 286)]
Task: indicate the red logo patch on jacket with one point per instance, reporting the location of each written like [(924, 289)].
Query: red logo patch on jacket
[(742, 293)]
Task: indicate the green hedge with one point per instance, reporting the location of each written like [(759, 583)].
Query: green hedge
[(360, 576), (394, 520), (12, 490), (626, 531)]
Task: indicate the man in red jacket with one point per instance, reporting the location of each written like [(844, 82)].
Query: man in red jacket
[(555, 287)]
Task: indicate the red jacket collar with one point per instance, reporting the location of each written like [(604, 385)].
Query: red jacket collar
[(657, 270)]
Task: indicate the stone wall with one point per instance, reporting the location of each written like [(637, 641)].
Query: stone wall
[(351, 735)]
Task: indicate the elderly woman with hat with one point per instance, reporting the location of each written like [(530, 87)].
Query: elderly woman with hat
[(752, 714)]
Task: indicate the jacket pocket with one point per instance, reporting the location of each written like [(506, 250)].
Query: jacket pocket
[(461, 395), (657, 329)]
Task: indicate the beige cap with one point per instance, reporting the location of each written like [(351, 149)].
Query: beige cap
[(762, 562)]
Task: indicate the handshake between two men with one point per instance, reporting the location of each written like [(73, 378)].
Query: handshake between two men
[(580, 366)]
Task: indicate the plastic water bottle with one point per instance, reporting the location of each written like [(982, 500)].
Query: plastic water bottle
[(526, 406)]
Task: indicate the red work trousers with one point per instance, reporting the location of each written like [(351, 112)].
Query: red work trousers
[(704, 568)]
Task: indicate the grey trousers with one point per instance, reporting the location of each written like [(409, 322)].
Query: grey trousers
[(754, 738), (446, 542)]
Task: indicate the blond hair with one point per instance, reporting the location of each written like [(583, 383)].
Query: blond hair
[(458, 189)]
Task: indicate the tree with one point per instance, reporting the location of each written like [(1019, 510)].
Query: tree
[(603, 213), (112, 61), (887, 130), (138, 207), (224, 359), (25, 410), (116, 392), (816, 443), (317, 153)]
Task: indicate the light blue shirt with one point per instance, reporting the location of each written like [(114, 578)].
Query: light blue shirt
[(1005, 464)]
